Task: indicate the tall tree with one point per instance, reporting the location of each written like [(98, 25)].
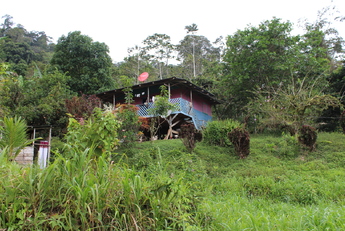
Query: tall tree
[(39, 99), (329, 41), (160, 48), (6, 25), (192, 29), (21, 48), (268, 55), (136, 54), (87, 62), (195, 53)]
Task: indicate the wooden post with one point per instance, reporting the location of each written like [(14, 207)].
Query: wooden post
[(191, 101), (49, 144), (114, 101), (148, 95), (169, 90), (34, 137)]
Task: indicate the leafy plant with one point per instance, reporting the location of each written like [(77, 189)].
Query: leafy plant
[(162, 109), (291, 105), (99, 131), (13, 136), (240, 138), (130, 123), (216, 132)]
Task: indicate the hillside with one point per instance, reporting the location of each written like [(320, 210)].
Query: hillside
[(160, 186), (278, 187)]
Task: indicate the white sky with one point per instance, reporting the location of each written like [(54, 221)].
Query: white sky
[(125, 23)]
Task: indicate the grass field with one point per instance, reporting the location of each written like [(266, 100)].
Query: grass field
[(160, 186)]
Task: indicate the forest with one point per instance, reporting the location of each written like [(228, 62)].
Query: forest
[(242, 70), (271, 158)]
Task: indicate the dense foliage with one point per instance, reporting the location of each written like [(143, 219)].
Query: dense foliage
[(98, 132), (96, 182), (87, 62), (216, 132), (13, 137), (268, 57), (128, 132), (23, 49)]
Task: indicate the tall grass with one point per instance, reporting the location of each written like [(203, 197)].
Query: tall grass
[(81, 193), (161, 186)]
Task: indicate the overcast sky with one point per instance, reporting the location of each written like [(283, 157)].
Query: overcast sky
[(126, 23)]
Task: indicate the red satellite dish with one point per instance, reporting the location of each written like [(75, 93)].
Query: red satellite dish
[(143, 76)]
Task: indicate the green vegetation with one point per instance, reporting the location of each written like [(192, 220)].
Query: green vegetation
[(101, 179), (161, 186), (13, 137), (216, 132)]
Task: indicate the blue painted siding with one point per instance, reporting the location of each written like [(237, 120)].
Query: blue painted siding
[(199, 118)]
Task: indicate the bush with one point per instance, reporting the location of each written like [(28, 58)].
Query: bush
[(13, 137), (130, 124), (190, 136), (239, 137), (99, 132), (216, 132), (307, 136)]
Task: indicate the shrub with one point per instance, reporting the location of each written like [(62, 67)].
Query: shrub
[(130, 124), (83, 106), (216, 132), (240, 138), (13, 137), (307, 136), (190, 135), (99, 131)]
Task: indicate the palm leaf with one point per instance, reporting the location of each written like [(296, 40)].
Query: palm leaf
[(14, 136)]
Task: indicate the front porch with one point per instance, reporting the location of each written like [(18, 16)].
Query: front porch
[(184, 107)]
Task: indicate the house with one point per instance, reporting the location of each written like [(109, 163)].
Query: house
[(194, 104)]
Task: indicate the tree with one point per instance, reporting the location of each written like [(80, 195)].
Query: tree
[(136, 53), (6, 25), (129, 67), (291, 105), (330, 43), (269, 56), (162, 108), (87, 62), (195, 53), (39, 99), (162, 49), (192, 29), (23, 49)]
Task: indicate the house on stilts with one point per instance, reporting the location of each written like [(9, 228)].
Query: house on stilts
[(193, 103)]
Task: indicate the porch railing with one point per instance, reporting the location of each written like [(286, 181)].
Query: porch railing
[(182, 106)]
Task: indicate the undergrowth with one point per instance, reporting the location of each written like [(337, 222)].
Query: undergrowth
[(160, 185)]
